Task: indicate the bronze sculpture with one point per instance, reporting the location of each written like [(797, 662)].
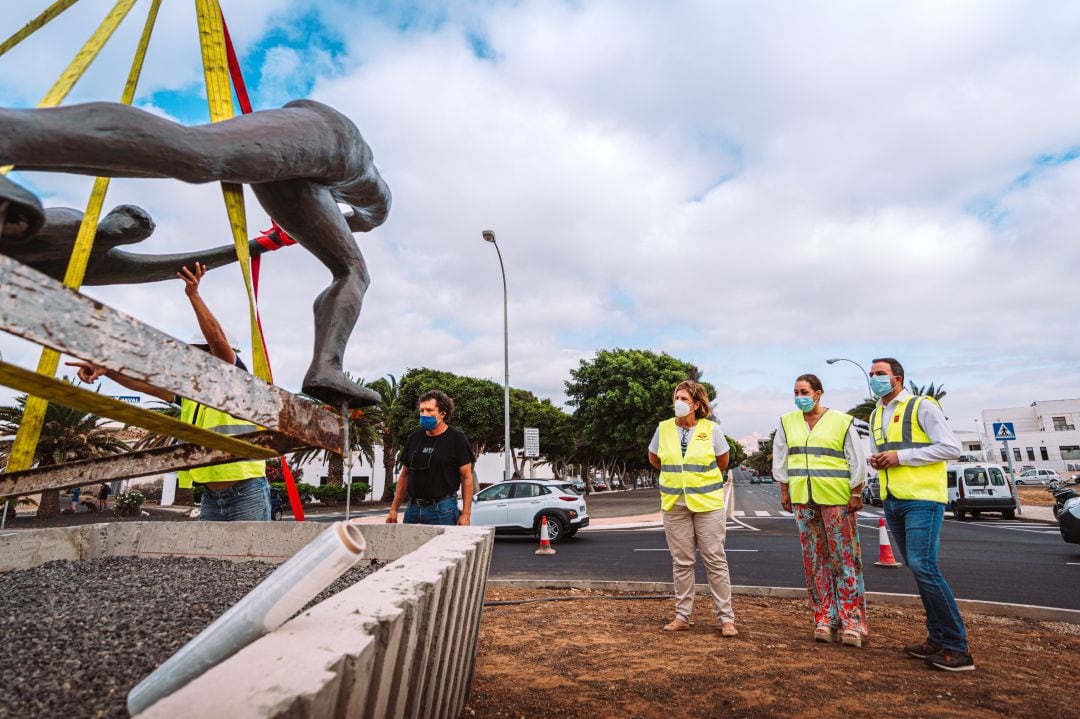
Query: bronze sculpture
[(300, 160)]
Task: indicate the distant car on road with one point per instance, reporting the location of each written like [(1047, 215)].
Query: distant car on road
[(765, 479), (517, 506), (871, 493), (978, 488), (1037, 476)]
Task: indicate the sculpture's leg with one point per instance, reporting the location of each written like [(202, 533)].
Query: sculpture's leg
[(22, 214), (309, 213)]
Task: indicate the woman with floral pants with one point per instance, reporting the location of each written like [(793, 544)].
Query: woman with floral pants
[(819, 460)]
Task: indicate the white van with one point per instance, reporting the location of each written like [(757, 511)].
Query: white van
[(977, 487)]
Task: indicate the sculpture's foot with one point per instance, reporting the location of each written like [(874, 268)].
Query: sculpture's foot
[(22, 214), (334, 388)]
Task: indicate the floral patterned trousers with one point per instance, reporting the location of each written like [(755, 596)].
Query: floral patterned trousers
[(832, 562)]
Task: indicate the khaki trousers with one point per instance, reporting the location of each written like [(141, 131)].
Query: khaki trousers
[(705, 531)]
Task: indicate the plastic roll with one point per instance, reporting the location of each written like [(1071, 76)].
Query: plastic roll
[(266, 607)]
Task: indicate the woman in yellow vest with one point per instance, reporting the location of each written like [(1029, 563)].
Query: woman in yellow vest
[(691, 453), (819, 460)]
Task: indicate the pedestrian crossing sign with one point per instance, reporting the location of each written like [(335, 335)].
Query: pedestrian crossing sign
[(1004, 431)]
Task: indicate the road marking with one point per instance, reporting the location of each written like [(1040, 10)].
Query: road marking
[(1030, 528), (786, 514), (761, 513), (1075, 564)]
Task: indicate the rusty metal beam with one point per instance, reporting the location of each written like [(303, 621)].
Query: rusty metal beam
[(132, 464), (40, 309), (65, 393)]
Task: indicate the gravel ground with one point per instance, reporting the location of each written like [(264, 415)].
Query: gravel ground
[(79, 635)]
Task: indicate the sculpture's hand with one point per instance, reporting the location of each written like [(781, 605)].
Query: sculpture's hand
[(192, 278)]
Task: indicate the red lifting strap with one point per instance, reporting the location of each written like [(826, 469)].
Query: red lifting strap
[(273, 239)]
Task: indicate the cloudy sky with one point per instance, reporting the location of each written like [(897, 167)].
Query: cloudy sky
[(749, 187)]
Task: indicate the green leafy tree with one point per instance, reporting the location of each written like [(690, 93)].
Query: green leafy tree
[(761, 460), (619, 396), (736, 452), (558, 441), (66, 435)]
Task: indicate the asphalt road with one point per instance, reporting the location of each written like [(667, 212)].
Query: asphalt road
[(992, 559)]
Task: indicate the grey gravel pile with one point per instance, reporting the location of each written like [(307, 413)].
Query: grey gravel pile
[(77, 636)]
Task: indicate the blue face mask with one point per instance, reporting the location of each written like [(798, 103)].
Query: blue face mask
[(881, 385), (805, 404), (428, 422)]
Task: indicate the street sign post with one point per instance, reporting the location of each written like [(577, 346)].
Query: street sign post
[(1003, 432), (532, 442)]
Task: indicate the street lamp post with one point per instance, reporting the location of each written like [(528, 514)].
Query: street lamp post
[(508, 469), (834, 360)]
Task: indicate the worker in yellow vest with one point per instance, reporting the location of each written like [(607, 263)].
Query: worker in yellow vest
[(912, 443), (237, 491), (692, 453), (819, 460)]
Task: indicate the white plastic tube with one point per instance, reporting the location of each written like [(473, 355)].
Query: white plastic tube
[(266, 607)]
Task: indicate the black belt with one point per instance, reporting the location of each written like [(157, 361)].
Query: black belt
[(421, 502)]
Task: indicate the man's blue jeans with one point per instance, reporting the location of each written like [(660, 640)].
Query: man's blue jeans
[(245, 501), (916, 528), (444, 512)]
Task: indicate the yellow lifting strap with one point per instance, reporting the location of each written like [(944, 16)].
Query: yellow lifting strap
[(36, 24), (219, 95), (22, 451), (87, 401)]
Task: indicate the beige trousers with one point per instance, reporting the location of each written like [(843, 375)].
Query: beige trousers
[(705, 531)]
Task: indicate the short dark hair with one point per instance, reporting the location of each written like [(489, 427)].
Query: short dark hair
[(812, 380), (442, 400), (894, 365)]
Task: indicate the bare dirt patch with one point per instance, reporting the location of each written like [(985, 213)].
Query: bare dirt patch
[(600, 658), (1037, 496)]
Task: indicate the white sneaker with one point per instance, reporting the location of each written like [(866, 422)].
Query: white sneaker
[(194, 514)]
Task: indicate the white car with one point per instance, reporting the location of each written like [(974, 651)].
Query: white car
[(1037, 476), (516, 507)]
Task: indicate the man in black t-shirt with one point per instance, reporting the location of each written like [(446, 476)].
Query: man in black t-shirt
[(435, 463)]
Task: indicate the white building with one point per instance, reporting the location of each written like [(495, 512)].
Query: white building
[(1046, 435)]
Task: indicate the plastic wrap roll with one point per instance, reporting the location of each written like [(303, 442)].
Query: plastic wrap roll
[(266, 607)]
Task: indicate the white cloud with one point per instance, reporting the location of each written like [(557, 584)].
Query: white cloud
[(750, 187)]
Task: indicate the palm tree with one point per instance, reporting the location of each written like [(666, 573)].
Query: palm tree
[(864, 409), (364, 433), (66, 434), (153, 440), (388, 387), (929, 390)]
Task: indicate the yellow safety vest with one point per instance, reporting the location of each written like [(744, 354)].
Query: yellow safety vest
[(695, 475), (217, 421), (817, 468), (904, 432)]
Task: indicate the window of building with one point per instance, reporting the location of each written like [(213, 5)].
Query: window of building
[(1031, 454), (1016, 454), (1004, 457), (1061, 424), (1070, 452), (1044, 454), (975, 447)]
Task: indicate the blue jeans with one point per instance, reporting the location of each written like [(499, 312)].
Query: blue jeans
[(245, 501), (444, 512), (916, 526)]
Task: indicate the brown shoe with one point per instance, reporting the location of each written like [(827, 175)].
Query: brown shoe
[(922, 651), (728, 630), (677, 625)]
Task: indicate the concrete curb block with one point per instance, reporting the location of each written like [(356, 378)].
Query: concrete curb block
[(999, 609)]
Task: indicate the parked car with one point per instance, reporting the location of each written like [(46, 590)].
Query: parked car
[(1037, 476), (276, 504), (765, 479), (976, 488), (578, 485), (616, 483), (599, 485), (871, 493), (517, 505)]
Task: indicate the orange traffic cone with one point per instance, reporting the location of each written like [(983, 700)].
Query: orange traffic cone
[(885, 555), (545, 540)]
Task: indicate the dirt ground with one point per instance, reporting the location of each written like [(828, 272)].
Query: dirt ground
[(1037, 496), (601, 658)]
